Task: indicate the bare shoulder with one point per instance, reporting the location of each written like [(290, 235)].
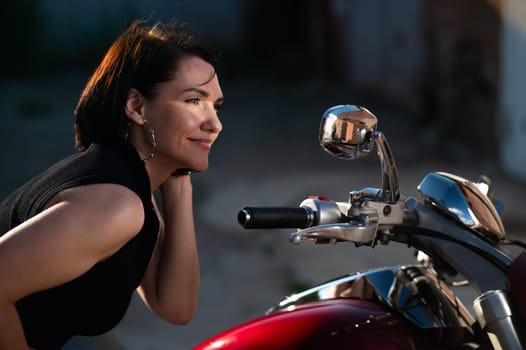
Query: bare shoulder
[(106, 206), (100, 217), (81, 227), (104, 192)]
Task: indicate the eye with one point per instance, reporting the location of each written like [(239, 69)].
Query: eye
[(194, 101), (218, 106)]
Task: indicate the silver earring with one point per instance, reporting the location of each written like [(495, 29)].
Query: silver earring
[(127, 131), (152, 137)]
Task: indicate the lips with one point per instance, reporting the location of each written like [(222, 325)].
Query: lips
[(203, 143)]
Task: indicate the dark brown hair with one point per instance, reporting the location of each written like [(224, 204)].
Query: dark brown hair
[(141, 58)]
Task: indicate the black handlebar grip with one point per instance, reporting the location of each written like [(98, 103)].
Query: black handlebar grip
[(276, 217)]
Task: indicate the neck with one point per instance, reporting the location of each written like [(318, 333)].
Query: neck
[(157, 172)]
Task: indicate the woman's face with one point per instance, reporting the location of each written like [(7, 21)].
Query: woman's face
[(184, 115)]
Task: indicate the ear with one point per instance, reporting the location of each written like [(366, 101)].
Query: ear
[(134, 106)]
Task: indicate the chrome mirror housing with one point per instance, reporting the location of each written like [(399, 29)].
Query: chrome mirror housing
[(349, 132), (345, 131)]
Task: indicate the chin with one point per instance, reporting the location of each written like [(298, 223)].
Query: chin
[(199, 167)]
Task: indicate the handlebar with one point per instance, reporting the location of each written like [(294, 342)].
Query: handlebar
[(276, 217)]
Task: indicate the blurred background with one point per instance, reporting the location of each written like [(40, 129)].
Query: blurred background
[(444, 77)]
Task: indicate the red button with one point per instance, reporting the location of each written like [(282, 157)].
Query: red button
[(321, 198)]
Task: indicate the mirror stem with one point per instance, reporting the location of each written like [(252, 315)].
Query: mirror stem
[(390, 184)]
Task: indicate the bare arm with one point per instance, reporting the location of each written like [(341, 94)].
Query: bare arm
[(171, 283), (11, 333), (85, 226)]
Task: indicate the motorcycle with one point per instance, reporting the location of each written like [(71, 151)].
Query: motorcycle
[(456, 230)]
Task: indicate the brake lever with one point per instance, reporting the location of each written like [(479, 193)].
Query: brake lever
[(366, 215), (357, 232)]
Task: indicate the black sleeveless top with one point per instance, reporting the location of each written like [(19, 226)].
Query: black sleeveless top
[(96, 301)]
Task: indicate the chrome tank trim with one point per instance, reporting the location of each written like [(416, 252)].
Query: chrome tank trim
[(412, 290), (465, 201)]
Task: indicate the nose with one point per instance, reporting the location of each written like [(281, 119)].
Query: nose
[(218, 126), (212, 122)]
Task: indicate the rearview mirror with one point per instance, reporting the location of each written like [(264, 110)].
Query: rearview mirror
[(349, 132), (345, 131)]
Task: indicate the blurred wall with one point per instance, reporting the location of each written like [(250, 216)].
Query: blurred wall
[(386, 48), (438, 60), (462, 74), (455, 65), (512, 109), (66, 20), (45, 37)]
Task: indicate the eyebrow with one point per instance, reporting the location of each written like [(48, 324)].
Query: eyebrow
[(199, 91), (202, 93)]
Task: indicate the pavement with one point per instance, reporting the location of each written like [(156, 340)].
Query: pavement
[(267, 155)]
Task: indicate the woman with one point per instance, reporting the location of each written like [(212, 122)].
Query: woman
[(78, 239)]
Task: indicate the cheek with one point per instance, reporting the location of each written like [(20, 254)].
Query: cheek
[(178, 127)]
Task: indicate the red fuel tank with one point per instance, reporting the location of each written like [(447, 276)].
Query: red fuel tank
[(334, 324), (517, 283)]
